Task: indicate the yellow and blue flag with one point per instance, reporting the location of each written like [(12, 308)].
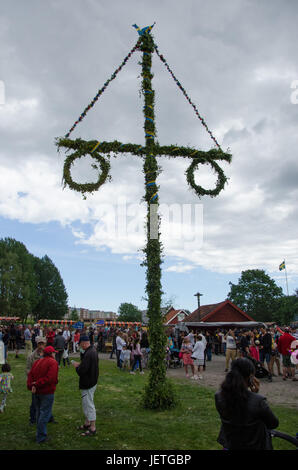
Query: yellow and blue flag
[(282, 266), (142, 31)]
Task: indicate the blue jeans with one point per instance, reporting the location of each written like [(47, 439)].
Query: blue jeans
[(44, 404), (33, 410), (209, 354), (137, 361)]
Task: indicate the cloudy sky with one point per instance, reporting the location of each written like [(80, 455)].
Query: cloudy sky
[(236, 59)]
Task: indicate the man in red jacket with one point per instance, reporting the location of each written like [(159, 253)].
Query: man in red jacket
[(42, 380), (283, 347)]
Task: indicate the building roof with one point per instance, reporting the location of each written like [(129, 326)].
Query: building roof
[(172, 314), (207, 311)]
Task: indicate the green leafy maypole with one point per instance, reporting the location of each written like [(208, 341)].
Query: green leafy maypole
[(158, 392)]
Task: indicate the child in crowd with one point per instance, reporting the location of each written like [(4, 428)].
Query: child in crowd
[(5, 384), (186, 350), (137, 356), (65, 355), (125, 358), (254, 350)]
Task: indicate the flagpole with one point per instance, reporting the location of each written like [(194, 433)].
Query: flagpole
[(286, 278)]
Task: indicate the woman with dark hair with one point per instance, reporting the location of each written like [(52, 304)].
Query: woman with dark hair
[(245, 416)]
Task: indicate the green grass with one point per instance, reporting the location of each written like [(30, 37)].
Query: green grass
[(122, 423)]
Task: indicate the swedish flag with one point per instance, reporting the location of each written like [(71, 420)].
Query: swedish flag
[(282, 266), (142, 31)]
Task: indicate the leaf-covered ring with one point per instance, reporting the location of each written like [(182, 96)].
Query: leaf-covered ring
[(221, 179), (85, 187)]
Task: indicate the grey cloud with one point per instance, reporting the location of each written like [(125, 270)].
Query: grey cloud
[(235, 59)]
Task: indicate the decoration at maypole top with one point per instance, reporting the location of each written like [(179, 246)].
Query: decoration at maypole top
[(158, 391)]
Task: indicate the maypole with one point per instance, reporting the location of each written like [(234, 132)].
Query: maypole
[(158, 393)]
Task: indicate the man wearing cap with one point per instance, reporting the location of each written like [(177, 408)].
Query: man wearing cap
[(42, 380), (88, 372), (37, 354)]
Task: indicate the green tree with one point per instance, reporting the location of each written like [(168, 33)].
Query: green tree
[(256, 294), (52, 293), (74, 315), (129, 312), (287, 310), (18, 282)]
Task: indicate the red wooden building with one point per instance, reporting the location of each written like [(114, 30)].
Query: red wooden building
[(222, 312), (173, 316), (222, 315)]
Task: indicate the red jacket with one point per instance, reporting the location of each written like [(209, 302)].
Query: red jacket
[(50, 337), (284, 344), (44, 375)]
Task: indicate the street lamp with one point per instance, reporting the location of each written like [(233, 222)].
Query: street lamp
[(198, 295)]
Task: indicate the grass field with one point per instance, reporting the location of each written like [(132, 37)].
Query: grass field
[(122, 424)]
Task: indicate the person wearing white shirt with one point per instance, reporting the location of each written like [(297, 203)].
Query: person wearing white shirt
[(198, 355), (205, 343), (66, 334), (191, 338), (119, 345)]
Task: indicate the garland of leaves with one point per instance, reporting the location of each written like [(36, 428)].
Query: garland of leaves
[(99, 93), (147, 45), (82, 148), (86, 187), (186, 96)]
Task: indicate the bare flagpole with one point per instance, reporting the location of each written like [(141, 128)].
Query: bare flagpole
[(286, 277)]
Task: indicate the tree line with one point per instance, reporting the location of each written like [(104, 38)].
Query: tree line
[(256, 293), (29, 286)]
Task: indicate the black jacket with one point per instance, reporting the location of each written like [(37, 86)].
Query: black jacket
[(266, 342), (88, 369), (253, 432), (59, 342)]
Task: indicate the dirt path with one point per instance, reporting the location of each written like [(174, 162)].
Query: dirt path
[(277, 392)]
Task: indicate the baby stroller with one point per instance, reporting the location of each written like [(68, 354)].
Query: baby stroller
[(174, 359), (261, 372)]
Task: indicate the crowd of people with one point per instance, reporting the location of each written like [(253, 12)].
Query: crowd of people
[(268, 346), (47, 348)]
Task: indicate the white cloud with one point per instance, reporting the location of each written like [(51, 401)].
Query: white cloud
[(19, 114), (180, 268)]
